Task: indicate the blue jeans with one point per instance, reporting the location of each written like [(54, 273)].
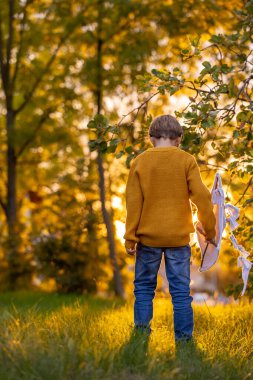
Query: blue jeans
[(177, 265)]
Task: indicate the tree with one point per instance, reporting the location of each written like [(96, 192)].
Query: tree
[(32, 62)]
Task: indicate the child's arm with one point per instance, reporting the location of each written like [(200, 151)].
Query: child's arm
[(134, 202), (201, 197)]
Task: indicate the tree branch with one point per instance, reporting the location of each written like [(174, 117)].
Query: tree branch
[(215, 166), (2, 63), (137, 108), (35, 131), (245, 190), (10, 37), (37, 82), (3, 205), (39, 79), (18, 56)]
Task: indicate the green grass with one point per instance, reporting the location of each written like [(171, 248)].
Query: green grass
[(56, 337)]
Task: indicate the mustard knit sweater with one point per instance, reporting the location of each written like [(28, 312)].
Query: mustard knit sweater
[(161, 183)]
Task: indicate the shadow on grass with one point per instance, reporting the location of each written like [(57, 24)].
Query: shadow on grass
[(195, 363), (188, 356), (135, 361), (133, 355)]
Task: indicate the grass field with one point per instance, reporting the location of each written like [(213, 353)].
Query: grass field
[(57, 337)]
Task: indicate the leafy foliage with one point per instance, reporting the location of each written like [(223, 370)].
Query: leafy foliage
[(50, 57), (65, 261)]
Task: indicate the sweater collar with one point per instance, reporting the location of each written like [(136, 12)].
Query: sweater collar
[(162, 148)]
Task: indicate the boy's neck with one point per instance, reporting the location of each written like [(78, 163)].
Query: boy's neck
[(165, 142), (164, 145)]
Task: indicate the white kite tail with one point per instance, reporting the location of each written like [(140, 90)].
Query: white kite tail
[(242, 260), (218, 197)]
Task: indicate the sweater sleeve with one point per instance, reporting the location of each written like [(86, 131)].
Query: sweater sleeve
[(201, 197), (134, 202)]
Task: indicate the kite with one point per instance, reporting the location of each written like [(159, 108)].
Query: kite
[(225, 214)]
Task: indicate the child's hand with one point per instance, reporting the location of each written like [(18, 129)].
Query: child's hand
[(130, 251), (211, 241), (200, 230)]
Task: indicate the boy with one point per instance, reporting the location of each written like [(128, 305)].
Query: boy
[(161, 182)]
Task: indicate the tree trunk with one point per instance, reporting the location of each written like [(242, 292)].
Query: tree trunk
[(118, 284), (108, 223), (12, 256), (11, 174)]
